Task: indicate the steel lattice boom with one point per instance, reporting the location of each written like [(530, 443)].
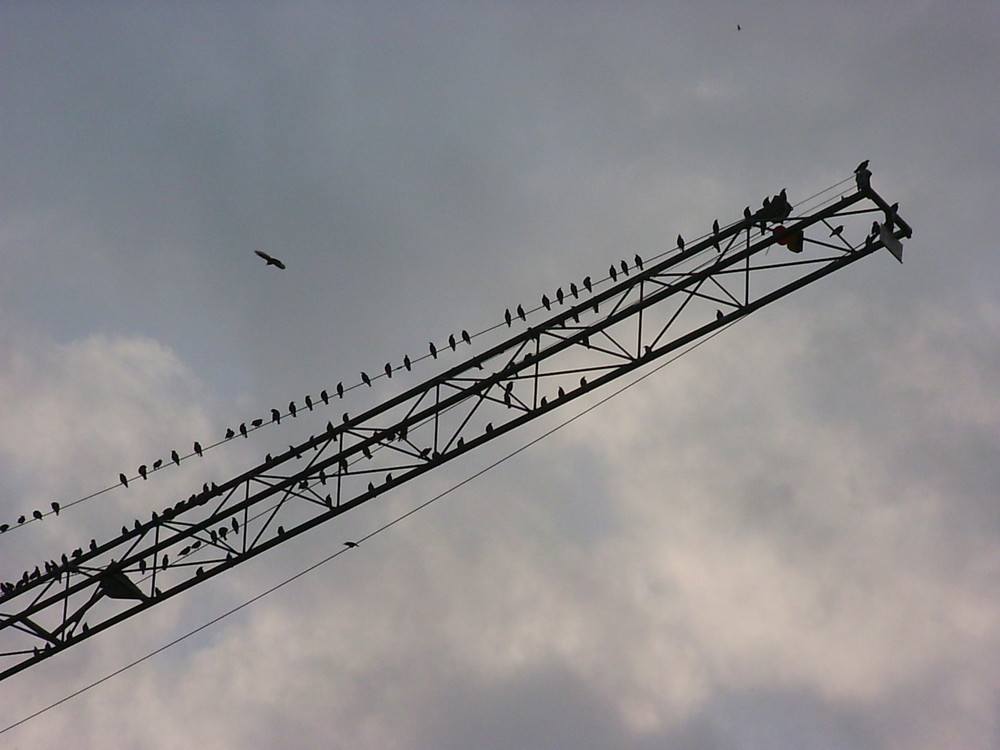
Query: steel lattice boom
[(592, 337)]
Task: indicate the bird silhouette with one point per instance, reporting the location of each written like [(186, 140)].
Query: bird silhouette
[(406, 363), (197, 448), (365, 379), (521, 314), (142, 471), (559, 295), (546, 302), (451, 341), (340, 390), (230, 434), (466, 337), (243, 429), (388, 370), (175, 457), (276, 416), (157, 464), (613, 273), (638, 261), (680, 242), (123, 479), (434, 351), (309, 403), (624, 266), (325, 396), (291, 408), (37, 515), (507, 317), (350, 545), (861, 167), (574, 290), (588, 284), (55, 508), (271, 261), (257, 422)]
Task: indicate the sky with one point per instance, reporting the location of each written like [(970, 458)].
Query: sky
[(788, 538)]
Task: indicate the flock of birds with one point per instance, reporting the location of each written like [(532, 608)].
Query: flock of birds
[(773, 210)]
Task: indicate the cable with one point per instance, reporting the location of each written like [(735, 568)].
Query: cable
[(371, 534)]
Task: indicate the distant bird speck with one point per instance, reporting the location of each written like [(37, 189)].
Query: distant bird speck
[(271, 261)]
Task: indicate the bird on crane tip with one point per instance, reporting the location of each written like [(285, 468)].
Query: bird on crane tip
[(271, 261)]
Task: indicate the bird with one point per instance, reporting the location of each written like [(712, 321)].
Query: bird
[(861, 167), (680, 242), (739, 28), (55, 508), (197, 448), (276, 416), (588, 284), (350, 545), (291, 408), (230, 434), (175, 457), (406, 363), (638, 261), (257, 422), (624, 266), (270, 260), (451, 341), (365, 379), (123, 479), (37, 514), (309, 403), (613, 273), (157, 464), (466, 337), (434, 351), (388, 370), (559, 295), (507, 316), (521, 314), (243, 429), (142, 471), (574, 290), (325, 396), (546, 302)]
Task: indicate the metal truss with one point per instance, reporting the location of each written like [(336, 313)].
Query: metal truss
[(591, 337)]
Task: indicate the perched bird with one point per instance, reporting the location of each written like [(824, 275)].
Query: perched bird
[(388, 370), (861, 167), (157, 464), (350, 544), (365, 379), (406, 363), (340, 390), (230, 434), (276, 416), (291, 408), (434, 351), (55, 508), (574, 290), (520, 313), (507, 317), (309, 403), (257, 422), (466, 337), (451, 341), (197, 448), (175, 457), (546, 302), (37, 515), (559, 295), (123, 479), (270, 261), (325, 396), (638, 261), (243, 429), (142, 471), (613, 273), (588, 284), (624, 266), (680, 242)]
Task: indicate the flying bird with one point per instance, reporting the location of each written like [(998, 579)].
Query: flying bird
[(270, 260)]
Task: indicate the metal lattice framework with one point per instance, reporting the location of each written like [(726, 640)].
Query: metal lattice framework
[(590, 338)]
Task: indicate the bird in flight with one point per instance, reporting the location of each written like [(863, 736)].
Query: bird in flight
[(271, 261)]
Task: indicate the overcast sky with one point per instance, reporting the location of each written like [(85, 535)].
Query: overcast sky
[(789, 538)]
